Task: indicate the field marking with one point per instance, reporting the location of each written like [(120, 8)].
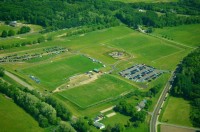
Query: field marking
[(167, 56), (108, 109)]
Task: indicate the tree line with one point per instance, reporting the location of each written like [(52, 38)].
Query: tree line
[(187, 84), (46, 110), (23, 29), (59, 14)]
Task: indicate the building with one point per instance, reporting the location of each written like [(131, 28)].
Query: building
[(99, 125), (13, 23), (141, 105)]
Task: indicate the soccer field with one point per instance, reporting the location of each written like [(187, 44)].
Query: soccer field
[(105, 88), (54, 73)]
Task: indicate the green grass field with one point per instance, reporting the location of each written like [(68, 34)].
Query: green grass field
[(54, 73), (144, 46), (186, 34), (177, 112), (15, 119), (106, 87)]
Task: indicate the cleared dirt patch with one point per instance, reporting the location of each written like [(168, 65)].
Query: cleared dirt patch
[(78, 80), (111, 114)]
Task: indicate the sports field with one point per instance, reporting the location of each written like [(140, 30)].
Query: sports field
[(15, 119), (54, 73), (106, 87), (177, 112)]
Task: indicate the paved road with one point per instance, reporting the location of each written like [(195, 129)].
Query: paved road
[(179, 126), (155, 114), (17, 79)]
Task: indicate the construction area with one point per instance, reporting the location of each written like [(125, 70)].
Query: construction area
[(141, 73)]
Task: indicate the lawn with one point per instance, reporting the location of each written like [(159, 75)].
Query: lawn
[(186, 34), (106, 87), (15, 119), (177, 112), (54, 73)]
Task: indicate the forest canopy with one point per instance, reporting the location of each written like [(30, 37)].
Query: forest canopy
[(58, 14)]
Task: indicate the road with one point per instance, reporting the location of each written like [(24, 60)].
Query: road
[(156, 112), (17, 79)]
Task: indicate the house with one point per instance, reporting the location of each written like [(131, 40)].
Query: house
[(99, 125), (141, 105)]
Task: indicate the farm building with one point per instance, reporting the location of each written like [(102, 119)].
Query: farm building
[(141, 105), (99, 125)]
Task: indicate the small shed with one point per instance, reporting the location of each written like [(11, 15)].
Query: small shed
[(99, 125)]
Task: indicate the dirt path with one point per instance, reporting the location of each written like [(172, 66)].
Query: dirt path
[(18, 80)]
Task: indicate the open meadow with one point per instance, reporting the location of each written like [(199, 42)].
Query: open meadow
[(177, 112), (15, 119)]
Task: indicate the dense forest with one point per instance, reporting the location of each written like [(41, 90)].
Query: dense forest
[(58, 14), (187, 84)]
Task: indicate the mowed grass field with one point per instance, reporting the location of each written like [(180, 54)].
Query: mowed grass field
[(15, 119), (54, 73), (186, 34), (106, 87), (177, 112), (144, 46)]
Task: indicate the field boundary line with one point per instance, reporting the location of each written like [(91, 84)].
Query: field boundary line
[(167, 55)]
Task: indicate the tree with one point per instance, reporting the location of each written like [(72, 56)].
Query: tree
[(11, 33), (1, 71), (4, 34), (41, 39), (118, 128), (24, 29), (81, 125), (43, 121), (64, 127)]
